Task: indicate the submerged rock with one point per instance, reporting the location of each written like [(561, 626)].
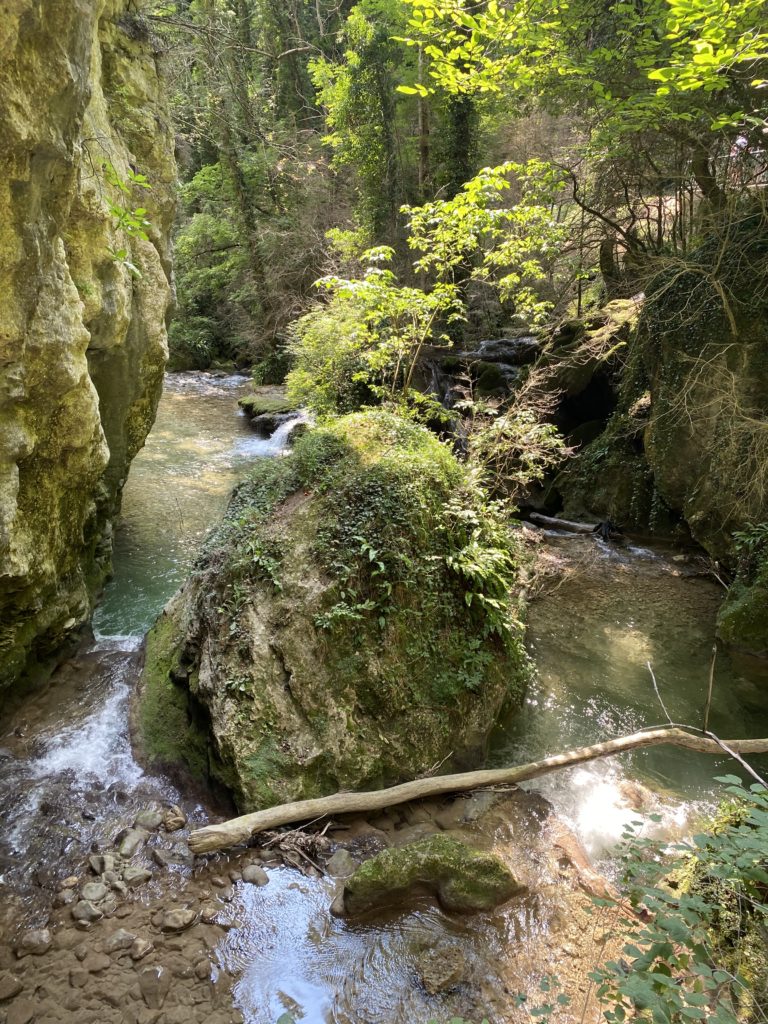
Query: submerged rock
[(36, 942), (442, 969), (460, 878), (255, 875), (335, 634)]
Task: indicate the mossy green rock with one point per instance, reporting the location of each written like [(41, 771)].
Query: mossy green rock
[(462, 879), (261, 405), (82, 337), (328, 639)]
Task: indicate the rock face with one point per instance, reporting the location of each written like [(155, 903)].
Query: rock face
[(82, 319), (333, 636), (686, 448)]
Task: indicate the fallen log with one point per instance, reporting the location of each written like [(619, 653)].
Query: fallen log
[(238, 830), (562, 524)]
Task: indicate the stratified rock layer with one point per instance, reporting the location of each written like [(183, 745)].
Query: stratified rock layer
[(82, 318)]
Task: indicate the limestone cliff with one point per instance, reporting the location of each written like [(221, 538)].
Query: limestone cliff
[(84, 303)]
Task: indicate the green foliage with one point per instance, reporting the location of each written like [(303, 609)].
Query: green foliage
[(358, 95), (515, 448), (131, 222), (691, 953), (364, 344), (506, 244), (688, 46), (751, 546)]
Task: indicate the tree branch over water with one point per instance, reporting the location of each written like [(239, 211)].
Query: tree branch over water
[(239, 830)]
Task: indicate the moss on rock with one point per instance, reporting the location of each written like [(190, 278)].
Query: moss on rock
[(743, 618), (462, 879), (260, 405), (350, 624), (83, 337)]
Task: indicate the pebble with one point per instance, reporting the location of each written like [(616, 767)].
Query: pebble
[(219, 882), (35, 942), (135, 876), (10, 986), (209, 913), (78, 977), (140, 949), (85, 912), (178, 920), (71, 882), (121, 939), (203, 970), (149, 819), (21, 1011), (64, 897), (255, 875), (161, 856), (154, 983), (109, 906), (235, 876), (442, 968), (132, 842), (96, 962), (174, 819), (94, 892), (341, 864)]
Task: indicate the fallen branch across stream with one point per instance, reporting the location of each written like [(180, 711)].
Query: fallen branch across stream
[(238, 830)]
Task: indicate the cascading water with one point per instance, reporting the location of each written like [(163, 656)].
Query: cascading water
[(68, 752)]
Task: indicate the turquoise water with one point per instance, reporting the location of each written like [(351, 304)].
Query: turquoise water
[(177, 489)]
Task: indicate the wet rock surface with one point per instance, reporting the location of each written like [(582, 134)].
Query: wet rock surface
[(172, 949), (462, 879)]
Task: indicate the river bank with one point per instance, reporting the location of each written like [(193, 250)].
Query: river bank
[(71, 788)]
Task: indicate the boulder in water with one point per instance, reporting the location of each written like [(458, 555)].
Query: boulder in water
[(462, 879), (336, 633)]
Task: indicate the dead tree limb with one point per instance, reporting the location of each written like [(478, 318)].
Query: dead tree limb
[(562, 524), (238, 830)]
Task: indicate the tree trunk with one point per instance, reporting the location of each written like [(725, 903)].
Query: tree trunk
[(239, 830)]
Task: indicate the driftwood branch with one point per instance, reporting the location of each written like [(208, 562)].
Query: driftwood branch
[(562, 524), (238, 830)]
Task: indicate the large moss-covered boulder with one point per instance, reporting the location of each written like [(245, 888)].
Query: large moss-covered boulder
[(351, 624), (83, 308), (462, 879)]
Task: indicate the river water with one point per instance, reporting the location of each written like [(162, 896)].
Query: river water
[(604, 612)]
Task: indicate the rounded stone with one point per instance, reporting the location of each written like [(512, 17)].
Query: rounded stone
[(94, 892), (178, 920), (35, 942), (86, 912)]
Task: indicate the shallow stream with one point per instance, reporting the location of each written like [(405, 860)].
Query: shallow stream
[(604, 613)]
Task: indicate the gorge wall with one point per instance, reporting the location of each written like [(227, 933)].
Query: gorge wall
[(84, 302)]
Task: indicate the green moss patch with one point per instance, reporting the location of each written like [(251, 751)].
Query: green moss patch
[(462, 879)]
